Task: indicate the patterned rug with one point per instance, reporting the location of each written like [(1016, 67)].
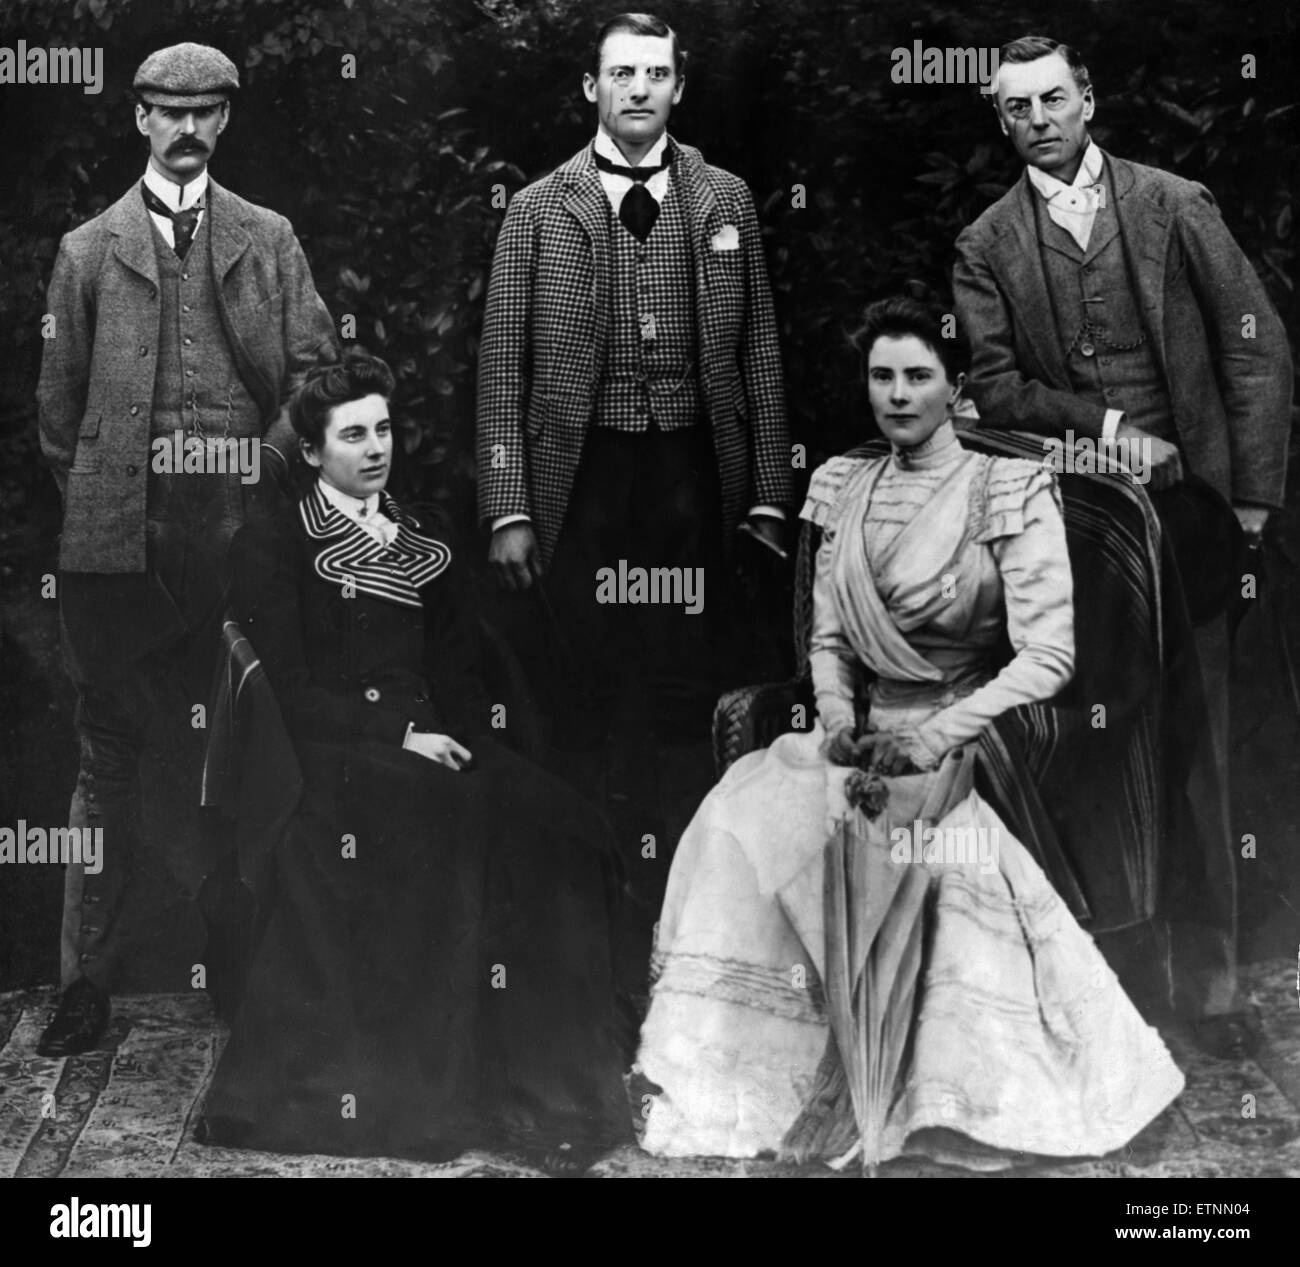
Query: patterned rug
[(130, 1107)]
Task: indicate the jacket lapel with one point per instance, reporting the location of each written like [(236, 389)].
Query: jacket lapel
[(227, 237), (1144, 227), (585, 200), (704, 218), (1018, 260), (133, 234), (228, 241)]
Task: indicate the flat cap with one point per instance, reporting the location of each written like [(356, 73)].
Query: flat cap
[(186, 75)]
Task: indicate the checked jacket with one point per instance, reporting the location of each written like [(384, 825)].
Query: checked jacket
[(546, 340)]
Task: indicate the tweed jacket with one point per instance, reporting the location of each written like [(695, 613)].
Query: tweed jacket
[(1230, 391), (97, 376), (546, 339)]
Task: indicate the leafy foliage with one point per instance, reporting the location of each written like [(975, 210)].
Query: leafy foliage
[(396, 178)]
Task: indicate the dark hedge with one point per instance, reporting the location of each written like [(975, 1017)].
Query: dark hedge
[(396, 179)]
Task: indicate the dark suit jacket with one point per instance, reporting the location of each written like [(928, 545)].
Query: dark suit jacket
[(97, 375), (1231, 395), (546, 336), (349, 669)]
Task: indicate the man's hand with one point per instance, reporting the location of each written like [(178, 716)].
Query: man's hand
[(1165, 463), (514, 557), (769, 530), (1252, 520), (440, 748)]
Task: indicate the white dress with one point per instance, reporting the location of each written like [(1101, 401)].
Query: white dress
[(1019, 1038)]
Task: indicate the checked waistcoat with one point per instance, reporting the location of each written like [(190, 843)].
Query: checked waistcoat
[(652, 371)]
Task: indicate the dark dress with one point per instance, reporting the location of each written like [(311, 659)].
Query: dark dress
[(438, 947)]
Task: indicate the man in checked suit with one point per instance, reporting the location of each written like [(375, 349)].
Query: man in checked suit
[(1108, 299), (630, 400), (183, 316)]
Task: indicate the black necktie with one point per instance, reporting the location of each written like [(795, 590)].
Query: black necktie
[(183, 222), (639, 209)]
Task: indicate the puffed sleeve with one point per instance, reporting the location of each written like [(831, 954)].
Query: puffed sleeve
[(1039, 593), (830, 659)]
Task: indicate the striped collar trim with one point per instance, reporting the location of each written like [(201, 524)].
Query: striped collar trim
[(357, 563)]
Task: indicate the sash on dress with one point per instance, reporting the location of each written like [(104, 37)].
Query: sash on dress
[(882, 591)]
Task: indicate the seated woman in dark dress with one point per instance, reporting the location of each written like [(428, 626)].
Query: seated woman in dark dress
[(435, 971)]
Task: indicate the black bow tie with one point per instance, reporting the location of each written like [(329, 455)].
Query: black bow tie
[(639, 209), (633, 173), (184, 222)]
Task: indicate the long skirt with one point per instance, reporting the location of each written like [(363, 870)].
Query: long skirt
[(435, 973), (1019, 1038)]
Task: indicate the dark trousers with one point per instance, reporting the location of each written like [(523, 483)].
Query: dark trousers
[(141, 649), (641, 500)]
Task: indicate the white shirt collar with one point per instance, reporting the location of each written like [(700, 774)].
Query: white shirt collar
[(349, 505), (1089, 173), (606, 147), (169, 192)]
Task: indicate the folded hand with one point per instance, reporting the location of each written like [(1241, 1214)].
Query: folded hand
[(440, 748)]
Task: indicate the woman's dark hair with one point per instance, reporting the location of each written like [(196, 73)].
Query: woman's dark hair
[(326, 387), (901, 318)]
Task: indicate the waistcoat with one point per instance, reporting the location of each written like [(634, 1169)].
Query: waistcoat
[(652, 369), (197, 387), (1108, 356)]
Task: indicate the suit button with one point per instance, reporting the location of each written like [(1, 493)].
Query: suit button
[(372, 694)]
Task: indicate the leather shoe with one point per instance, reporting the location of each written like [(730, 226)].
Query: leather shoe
[(1228, 1035), (80, 1021)]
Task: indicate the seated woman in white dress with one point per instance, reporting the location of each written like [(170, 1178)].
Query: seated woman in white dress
[(1015, 1037)]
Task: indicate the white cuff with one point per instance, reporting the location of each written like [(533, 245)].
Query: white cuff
[(503, 521), (1111, 423)]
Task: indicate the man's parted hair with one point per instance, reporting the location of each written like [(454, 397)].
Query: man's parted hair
[(902, 318), (639, 24), (326, 387), (1029, 48)]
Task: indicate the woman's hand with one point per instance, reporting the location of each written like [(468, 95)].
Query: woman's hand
[(842, 748), (883, 750), (440, 748)]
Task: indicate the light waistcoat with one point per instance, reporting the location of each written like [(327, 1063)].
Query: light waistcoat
[(197, 387)]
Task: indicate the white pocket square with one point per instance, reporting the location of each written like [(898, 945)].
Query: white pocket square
[(726, 239)]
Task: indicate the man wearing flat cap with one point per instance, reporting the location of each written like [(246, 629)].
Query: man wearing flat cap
[(183, 318)]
